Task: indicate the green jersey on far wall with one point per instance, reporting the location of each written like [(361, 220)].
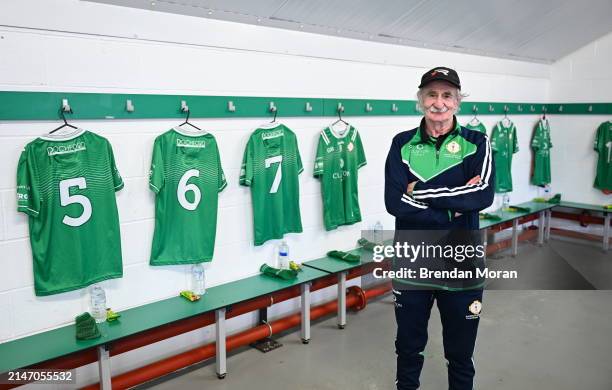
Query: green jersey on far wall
[(541, 146), (270, 166), (339, 156), (477, 125), (186, 176), (504, 145), (66, 184), (603, 147)]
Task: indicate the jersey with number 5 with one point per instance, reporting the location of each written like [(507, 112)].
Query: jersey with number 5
[(271, 166), (66, 185), (187, 177)]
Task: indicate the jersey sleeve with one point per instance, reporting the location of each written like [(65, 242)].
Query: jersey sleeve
[(156, 173), (246, 169), (515, 147), (536, 141), (222, 182), (28, 195), (361, 158), (117, 179), (494, 138), (298, 158), (599, 138), (319, 164)]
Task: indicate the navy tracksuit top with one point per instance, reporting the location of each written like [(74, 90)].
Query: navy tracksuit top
[(441, 166)]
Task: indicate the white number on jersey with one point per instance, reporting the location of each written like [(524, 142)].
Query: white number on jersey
[(279, 172), (67, 199), (609, 146), (183, 187)]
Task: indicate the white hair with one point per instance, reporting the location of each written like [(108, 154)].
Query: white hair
[(421, 93)]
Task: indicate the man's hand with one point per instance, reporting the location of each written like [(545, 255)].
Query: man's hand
[(411, 187), (473, 180)]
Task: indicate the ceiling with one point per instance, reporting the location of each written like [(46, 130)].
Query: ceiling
[(536, 31)]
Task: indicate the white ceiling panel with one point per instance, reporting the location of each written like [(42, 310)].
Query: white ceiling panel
[(537, 31)]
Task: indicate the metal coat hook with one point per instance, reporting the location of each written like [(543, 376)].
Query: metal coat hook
[(491, 108), (590, 108), (368, 107), (272, 107), (66, 106), (129, 105), (231, 107), (184, 106), (561, 108), (532, 108), (394, 107), (308, 107), (520, 108), (474, 109), (340, 107), (506, 109)]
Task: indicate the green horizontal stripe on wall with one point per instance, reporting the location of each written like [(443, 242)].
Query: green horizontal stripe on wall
[(46, 106)]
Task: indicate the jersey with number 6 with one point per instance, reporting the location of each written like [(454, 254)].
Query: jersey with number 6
[(270, 166), (603, 146), (541, 145), (66, 185), (339, 156), (187, 177)]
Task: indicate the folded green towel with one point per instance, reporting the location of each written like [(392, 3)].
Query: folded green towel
[(555, 199), (520, 209), (86, 327), (344, 256), (286, 274), (491, 217), (366, 244)]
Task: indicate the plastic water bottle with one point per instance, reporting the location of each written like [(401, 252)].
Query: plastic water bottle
[(377, 233), (283, 256), (198, 279), (98, 303), (505, 202)]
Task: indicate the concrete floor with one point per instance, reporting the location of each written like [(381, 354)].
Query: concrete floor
[(557, 340)]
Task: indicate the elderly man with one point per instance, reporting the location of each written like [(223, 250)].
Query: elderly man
[(437, 178)]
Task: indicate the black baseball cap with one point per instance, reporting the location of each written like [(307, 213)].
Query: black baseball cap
[(441, 73)]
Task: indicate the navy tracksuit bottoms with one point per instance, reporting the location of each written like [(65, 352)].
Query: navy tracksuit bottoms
[(460, 314)]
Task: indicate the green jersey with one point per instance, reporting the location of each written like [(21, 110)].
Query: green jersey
[(504, 145), (476, 125), (603, 146), (270, 166), (66, 185), (339, 156), (541, 154), (186, 176)]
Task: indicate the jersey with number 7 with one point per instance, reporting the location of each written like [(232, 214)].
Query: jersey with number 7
[(66, 185), (270, 166), (187, 177)]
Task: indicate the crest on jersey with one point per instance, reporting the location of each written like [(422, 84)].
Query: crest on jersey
[(453, 147), (350, 147), (475, 307)]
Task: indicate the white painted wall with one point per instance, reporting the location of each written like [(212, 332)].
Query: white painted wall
[(69, 45), (582, 76)]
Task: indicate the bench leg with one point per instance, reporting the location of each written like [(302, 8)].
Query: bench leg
[(104, 367), (342, 300), (541, 227), (606, 234), (220, 345), (305, 308), (514, 237), (548, 221)]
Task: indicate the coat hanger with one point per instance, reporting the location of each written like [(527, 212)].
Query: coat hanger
[(66, 124), (186, 109), (474, 121)]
